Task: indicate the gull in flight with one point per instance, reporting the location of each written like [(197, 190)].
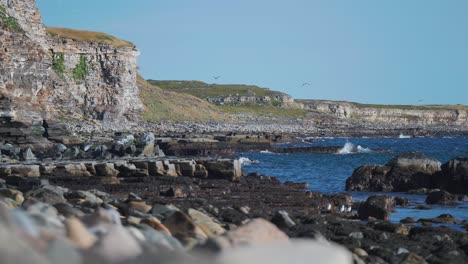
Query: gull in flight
[(216, 77), (306, 84)]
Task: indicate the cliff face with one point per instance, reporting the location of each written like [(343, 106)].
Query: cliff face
[(392, 115), (45, 77)]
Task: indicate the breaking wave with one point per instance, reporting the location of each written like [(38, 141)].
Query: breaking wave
[(350, 148)]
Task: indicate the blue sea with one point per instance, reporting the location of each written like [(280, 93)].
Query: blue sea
[(327, 173)]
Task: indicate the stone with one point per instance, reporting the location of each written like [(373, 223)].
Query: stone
[(102, 216), (175, 191), (154, 223), (17, 250), (300, 251), (282, 220), (401, 201), (441, 197), (297, 185), (15, 195), (117, 245), (413, 258), (229, 169), (47, 195), (106, 170), (183, 228), (68, 211), (84, 196), (156, 168), (162, 212), (405, 172), (206, 223), (378, 206), (71, 170), (161, 239), (256, 231), (28, 155), (139, 206), (62, 251), (454, 176), (21, 170), (360, 252), (408, 220)]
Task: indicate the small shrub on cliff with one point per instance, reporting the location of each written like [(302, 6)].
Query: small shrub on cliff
[(58, 63), (8, 22), (81, 69)]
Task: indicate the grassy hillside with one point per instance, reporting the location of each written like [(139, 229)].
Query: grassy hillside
[(88, 36), (205, 90), (167, 105)]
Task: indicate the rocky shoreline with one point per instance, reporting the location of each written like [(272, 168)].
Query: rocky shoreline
[(118, 199)]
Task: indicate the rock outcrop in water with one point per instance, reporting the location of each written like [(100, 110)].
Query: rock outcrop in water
[(45, 77), (411, 171), (406, 172)]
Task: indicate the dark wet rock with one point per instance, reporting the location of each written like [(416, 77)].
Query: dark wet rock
[(282, 220), (422, 191), (401, 201), (442, 219), (378, 206), (369, 178), (408, 220), (423, 207), (441, 197), (297, 185), (405, 172), (454, 176), (231, 215), (176, 191)]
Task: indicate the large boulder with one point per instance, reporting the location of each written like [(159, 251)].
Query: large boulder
[(369, 178), (377, 206), (441, 197), (405, 172), (454, 176), (255, 232), (229, 169)]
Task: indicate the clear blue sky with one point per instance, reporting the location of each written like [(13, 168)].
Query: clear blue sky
[(388, 51)]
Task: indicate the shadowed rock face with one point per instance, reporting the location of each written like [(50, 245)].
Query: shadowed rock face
[(405, 172), (454, 175), (39, 77)]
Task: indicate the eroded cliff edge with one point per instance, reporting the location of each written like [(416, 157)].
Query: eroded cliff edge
[(54, 77)]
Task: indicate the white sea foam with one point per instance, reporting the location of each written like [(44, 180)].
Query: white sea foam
[(404, 136), (347, 149), (266, 152), (247, 161), (351, 148)]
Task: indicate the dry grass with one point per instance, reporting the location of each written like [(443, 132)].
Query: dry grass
[(88, 36), (168, 105)]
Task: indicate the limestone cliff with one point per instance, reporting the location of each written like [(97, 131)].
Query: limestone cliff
[(45, 76), (392, 114)]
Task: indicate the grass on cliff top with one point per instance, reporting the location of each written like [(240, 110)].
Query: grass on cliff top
[(88, 36), (167, 105), (205, 90)]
